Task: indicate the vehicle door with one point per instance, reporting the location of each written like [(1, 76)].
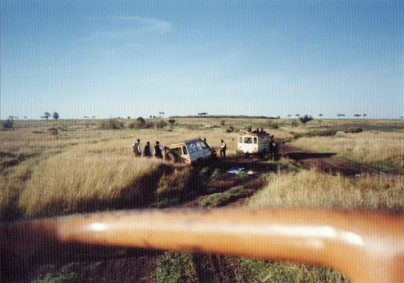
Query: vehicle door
[(193, 151), (248, 144)]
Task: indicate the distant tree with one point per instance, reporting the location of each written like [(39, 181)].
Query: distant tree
[(358, 115), (93, 117), (46, 115), (151, 116), (341, 115), (141, 120), (297, 115), (154, 117), (203, 114), (85, 117), (320, 115), (305, 119), (402, 117), (25, 117), (8, 124), (171, 121), (161, 113), (55, 115), (364, 115), (289, 115), (128, 117)]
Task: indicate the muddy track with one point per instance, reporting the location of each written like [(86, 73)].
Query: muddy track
[(328, 163)]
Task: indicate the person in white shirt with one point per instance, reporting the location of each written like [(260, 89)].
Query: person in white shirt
[(223, 148), (137, 149)]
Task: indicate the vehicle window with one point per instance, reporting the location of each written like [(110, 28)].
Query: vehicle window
[(241, 140), (192, 147), (199, 146), (248, 140), (255, 140), (204, 146), (177, 150), (184, 149)]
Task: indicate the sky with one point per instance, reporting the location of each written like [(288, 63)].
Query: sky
[(109, 58)]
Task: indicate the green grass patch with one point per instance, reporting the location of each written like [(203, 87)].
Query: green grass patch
[(65, 275), (253, 270), (175, 268), (218, 199)]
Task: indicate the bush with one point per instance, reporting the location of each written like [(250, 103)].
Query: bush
[(354, 130), (161, 124), (171, 121), (111, 124), (54, 131), (230, 130), (141, 120), (8, 124), (294, 124), (305, 119), (273, 125), (139, 125)]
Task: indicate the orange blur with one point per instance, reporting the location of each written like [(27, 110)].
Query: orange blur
[(366, 246)]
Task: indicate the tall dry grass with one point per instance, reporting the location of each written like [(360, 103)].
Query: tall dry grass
[(313, 189), (319, 190), (366, 147), (70, 181)]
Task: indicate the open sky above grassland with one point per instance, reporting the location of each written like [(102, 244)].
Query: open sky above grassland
[(136, 58)]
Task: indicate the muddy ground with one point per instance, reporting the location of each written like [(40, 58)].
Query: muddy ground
[(129, 265)]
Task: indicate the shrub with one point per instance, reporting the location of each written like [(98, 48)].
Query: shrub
[(354, 130), (305, 119), (54, 131), (273, 125), (230, 130), (138, 124), (141, 120), (113, 124), (8, 124), (294, 123), (161, 124), (171, 121)]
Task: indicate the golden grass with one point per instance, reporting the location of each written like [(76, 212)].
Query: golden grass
[(366, 147), (318, 190), (66, 180)]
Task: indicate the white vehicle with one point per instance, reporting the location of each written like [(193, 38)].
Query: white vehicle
[(253, 143), (190, 152)]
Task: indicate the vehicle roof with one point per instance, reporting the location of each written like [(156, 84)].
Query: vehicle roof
[(184, 142), (254, 134)]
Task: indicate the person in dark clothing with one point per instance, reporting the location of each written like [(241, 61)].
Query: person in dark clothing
[(147, 150), (157, 150)]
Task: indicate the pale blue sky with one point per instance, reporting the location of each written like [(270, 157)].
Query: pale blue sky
[(136, 58)]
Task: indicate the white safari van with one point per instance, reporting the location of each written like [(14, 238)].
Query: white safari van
[(190, 152), (253, 143)]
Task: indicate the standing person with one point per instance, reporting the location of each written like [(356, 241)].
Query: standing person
[(223, 148), (137, 149), (147, 150), (157, 150)]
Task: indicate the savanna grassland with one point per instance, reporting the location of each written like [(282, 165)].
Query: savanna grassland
[(50, 168)]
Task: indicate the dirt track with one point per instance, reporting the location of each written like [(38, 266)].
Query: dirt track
[(128, 265)]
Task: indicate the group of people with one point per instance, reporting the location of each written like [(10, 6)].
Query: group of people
[(148, 151)]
